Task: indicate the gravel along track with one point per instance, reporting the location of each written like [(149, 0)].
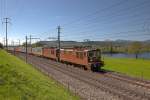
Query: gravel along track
[(135, 81), (90, 85)]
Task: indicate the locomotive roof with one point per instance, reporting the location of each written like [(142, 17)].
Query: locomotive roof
[(79, 49)]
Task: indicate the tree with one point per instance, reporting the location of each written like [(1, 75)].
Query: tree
[(109, 46), (1, 45), (135, 48), (37, 44)]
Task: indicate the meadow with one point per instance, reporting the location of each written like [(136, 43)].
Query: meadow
[(133, 67)]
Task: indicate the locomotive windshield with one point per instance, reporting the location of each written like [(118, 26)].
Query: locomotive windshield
[(94, 55)]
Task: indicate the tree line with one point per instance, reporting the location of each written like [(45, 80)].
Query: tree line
[(135, 47)]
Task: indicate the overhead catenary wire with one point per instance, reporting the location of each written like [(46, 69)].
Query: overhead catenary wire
[(90, 25), (118, 34), (91, 14), (114, 14), (103, 25), (98, 28), (92, 29), (101, 10)]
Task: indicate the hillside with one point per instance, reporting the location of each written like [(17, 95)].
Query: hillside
[(20, 81), (85, 43)]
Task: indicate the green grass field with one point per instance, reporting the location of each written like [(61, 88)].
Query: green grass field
[(133, 67), (20, 81)]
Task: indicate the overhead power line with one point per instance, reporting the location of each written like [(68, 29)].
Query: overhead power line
[(112, 18), (105, 9), (92, 28), (101, 10), (115, 34), (120, 13)]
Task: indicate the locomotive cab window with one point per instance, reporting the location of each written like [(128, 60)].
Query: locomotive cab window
[(94, 55)]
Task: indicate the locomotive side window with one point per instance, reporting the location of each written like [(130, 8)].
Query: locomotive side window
[(70, 52), (84, 54), (52, 51), (77, 54), (81, 55), (65, 52)]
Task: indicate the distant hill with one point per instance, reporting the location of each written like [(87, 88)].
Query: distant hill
[(89, 43), (63, 43)]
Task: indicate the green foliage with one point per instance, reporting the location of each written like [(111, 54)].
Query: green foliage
[(24, 44), (133, 67), (20, 81), (38, 44), (135, 48)]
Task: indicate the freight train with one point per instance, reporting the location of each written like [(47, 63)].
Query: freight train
[(81, 57)]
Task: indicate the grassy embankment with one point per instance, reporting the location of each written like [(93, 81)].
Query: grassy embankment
[(130, 66), (20, 81)]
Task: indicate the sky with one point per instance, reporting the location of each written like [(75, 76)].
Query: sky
[(79, 19)]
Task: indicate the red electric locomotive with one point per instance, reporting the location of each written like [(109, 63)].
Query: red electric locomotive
[(88, 59)]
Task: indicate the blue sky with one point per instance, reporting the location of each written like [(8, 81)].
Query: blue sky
[(79, 19)]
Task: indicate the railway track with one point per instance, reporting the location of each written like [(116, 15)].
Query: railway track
[(103, 83), (109, 83), (135, 81)]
